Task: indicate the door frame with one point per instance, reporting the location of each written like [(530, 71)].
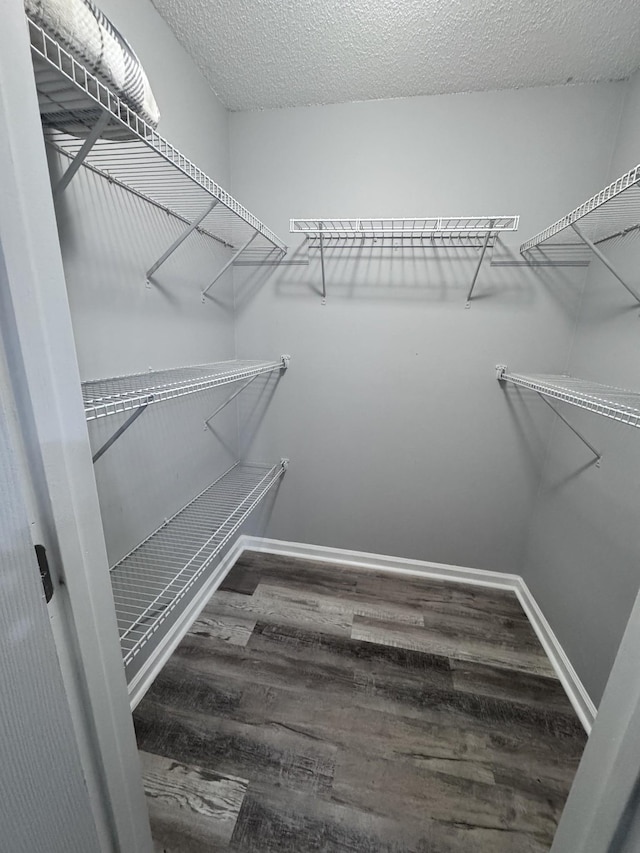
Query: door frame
[(57, 472)]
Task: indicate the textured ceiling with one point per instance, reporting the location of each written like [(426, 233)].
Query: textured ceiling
[(275, 53)]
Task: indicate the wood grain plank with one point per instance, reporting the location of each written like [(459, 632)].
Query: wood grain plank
[(189, 801), (399, 789), (233, 629), (538, 691), (272, 823), (270, 607), (278, 756), (432, 639)]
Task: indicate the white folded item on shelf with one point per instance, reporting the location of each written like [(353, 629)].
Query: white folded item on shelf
[(82, 30)]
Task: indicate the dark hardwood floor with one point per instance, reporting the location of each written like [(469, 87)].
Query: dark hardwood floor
[(314, 707)]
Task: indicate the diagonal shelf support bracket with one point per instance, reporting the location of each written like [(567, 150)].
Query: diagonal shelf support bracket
[(125, 426), (231, 261), (324, 282), (479, 264), (229, 400), (283, 366), (179, 240), (596, 251), (78, 160), (597, 455)]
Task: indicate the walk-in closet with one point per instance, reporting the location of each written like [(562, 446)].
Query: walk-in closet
[(319, 413)]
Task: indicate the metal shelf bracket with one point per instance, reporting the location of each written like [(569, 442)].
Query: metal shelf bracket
[(78, 160), (179, 240), (597, 455), (601, 257), (324, 282), (479, 264), (284, 364), (501, 370), (231, 261), (125, 426)]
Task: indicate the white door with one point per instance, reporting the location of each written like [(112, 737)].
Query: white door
[(43, 418), (44, 801)]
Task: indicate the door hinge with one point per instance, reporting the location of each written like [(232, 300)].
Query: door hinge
[(45, 574)]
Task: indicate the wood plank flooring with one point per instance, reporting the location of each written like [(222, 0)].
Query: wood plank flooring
[(314, 708)]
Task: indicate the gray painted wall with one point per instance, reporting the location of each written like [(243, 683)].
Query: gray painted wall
[(583, 552), (109, 238), (401, 440)]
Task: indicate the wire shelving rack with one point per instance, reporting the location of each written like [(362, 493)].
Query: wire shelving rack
[(431, 232), (140, 159), (611, 214), (443, 230), (104, 397), (153, 579), (618, 404)]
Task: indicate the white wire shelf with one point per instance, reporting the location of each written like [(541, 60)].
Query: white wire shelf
[(104, 397), (612, 214), (443, 228), (153, 579), (431, 232), (142, 161), (619, 404)]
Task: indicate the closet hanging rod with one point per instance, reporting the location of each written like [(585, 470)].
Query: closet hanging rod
[(140, 158), (612, 213)]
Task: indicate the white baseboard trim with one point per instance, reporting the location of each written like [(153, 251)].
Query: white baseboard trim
[(362, 559), (575, 690), (143, 679)]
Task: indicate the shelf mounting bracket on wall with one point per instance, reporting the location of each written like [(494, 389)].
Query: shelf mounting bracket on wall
[(122, 429), (502, 376), (601, 257), (479, 264), (231, 261), (179, 240), (78, 160), (324, 282), (597, 455), (283, 366)]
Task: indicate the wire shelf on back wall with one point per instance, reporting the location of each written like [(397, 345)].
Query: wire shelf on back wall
[(160, 573), (438, 230), (104, 397), (131, 154), (421, 233)]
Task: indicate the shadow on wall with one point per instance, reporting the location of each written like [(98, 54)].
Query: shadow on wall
[(252, 408), (248, 280), (425, 273), (111, 238), (534, 446), (258, 522)]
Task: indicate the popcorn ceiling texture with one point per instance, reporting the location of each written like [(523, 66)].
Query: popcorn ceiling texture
[(282, 53)]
